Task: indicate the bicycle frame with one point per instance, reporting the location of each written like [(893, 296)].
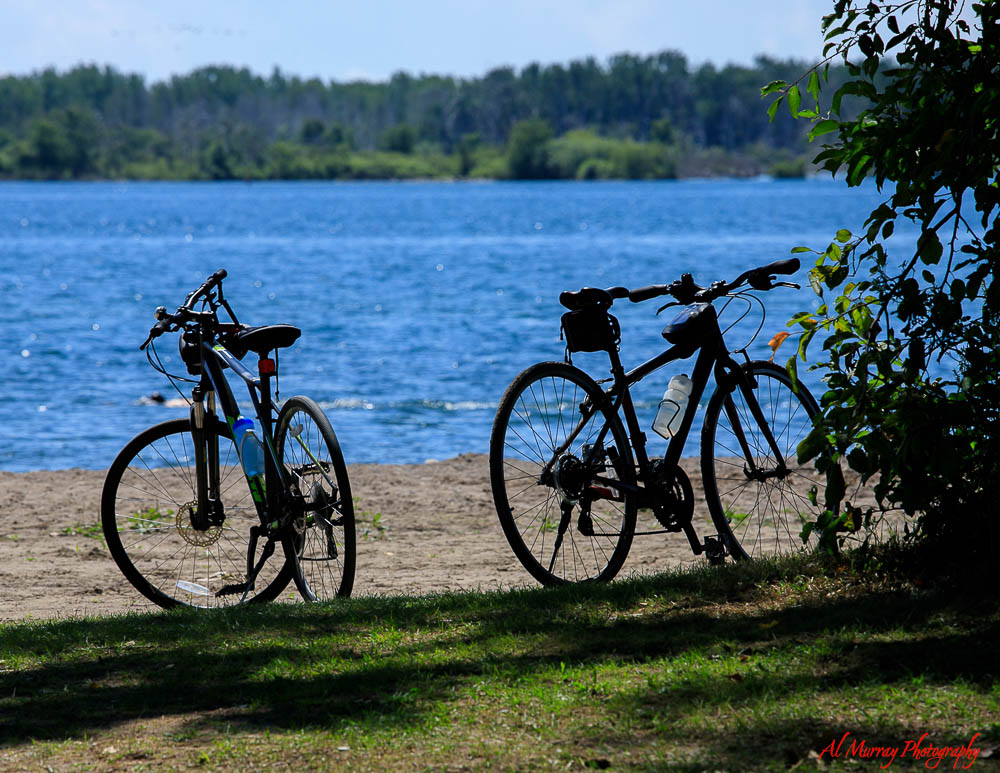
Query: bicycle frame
[(713, 358), (267, 493)]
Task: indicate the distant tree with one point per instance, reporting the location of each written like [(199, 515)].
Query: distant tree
[(662, 131), (399, 139), (528, 152), (312, 131), (47, 152), (466, 147)]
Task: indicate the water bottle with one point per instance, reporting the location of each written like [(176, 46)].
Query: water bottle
[(670, 414), (250, 450)]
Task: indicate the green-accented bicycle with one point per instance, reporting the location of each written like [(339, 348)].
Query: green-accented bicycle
[(214, 509)]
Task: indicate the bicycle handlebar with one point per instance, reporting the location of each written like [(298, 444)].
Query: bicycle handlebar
[(210, 284), (686, 291), (683, 289), (185, 311)]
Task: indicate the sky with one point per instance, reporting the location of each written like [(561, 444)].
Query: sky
[(345, 40)]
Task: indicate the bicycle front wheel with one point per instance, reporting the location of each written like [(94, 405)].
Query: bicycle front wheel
[(149, 496), (562, 476), (321, 542), (758, 504)]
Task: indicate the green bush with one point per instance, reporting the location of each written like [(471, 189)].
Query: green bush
[(885, 317)]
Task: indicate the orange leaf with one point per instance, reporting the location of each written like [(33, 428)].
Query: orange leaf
[(774, 343)]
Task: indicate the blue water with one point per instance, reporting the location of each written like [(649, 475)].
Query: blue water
[(419, 302)]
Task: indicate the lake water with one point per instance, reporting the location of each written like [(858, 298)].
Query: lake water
[(418, 302)]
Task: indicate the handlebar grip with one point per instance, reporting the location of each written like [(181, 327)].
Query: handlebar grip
[(645, 293), (157, 330), (209, 283), (787, 266)]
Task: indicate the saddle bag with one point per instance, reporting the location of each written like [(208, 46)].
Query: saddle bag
[(590, 330)]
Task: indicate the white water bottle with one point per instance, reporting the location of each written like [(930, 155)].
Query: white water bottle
[(250, 450), (670, 414)]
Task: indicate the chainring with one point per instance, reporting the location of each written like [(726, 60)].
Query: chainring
[(674, 503)]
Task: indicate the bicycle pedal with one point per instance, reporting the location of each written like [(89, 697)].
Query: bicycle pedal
[(715, 550)]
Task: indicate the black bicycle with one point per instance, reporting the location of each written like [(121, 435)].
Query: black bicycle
[(193, 509), (569, 477)]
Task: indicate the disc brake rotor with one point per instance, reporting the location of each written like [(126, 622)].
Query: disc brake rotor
[(191, 535)]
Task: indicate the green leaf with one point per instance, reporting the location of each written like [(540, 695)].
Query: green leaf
[(811, 445), (859, 170), (816, 282), (794, 100), (804, 342), (843, 236), (813, 87), (793, 372), (800, 249), (772, 87), (772, 109), (930, 248), (825, 126)]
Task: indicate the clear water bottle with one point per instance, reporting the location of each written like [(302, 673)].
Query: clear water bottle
[(670, 414), (249, 446)]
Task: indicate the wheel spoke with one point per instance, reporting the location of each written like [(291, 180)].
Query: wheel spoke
[(533, 487), (762, 510)]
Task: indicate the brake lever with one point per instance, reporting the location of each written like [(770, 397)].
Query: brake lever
[(667, 306), (793, 285)]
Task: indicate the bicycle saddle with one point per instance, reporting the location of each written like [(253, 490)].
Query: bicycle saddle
[(586, 298), (264, 338)]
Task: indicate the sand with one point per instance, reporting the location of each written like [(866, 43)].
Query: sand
[(440, 534)]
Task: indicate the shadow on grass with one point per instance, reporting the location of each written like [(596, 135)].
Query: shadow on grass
[(395, 661)]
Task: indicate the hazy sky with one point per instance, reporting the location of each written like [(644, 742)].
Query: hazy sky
[(371, 39)]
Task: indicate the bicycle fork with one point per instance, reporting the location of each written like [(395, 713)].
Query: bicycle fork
[(207, 510)]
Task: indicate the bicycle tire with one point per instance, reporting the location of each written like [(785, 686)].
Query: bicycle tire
[(538, 411), (321, 546), (146, 493), (759, 516)]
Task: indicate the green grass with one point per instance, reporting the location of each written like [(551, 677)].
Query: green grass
[(750, 667)]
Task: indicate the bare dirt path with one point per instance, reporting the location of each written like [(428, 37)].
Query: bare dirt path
[(440, 533)]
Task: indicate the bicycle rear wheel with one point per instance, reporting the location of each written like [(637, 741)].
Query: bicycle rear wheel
[(149, 494), (757, 505), (321, 544), (546, 455)]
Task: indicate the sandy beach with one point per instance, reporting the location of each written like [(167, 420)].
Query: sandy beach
[(440, 533)]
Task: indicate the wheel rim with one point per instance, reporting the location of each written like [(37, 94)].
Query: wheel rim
[(536, 498), (321, 529), (158, 548), (765, 507)]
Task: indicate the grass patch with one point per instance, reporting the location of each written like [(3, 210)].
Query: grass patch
[(748, 667)]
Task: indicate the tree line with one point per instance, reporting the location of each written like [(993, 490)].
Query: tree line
[(633, 116)]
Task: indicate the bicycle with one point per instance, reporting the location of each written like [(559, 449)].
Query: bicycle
[(560, 452), (193, 520)]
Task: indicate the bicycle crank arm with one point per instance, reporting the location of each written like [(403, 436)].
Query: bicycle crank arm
[(264, 555)]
